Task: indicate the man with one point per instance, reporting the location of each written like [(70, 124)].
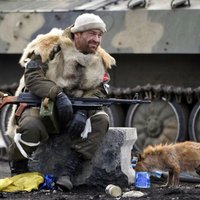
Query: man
[(63, 64)]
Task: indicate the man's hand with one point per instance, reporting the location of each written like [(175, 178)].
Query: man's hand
[(77, 125), (64, 107)]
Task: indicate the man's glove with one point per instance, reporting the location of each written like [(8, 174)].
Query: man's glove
[(35, 62), (77, 125), (64, 107)]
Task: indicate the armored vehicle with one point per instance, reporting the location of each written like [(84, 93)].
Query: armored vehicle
[(156, 44)]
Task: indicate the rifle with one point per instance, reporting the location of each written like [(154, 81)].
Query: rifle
[(47, 108), (27, 99)]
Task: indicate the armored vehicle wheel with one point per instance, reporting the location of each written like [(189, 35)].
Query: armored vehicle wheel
[(4, 115), (116, 115), (4, 139), (157, 122), (194, 123)]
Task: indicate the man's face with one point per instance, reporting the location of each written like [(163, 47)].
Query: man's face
[(88, 41)]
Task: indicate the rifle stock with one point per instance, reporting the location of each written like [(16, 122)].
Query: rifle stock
[(23, 100)]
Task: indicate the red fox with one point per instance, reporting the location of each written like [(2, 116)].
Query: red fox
[(174, 158)]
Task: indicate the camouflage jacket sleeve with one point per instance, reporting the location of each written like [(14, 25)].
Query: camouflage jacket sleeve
[(38, 83)]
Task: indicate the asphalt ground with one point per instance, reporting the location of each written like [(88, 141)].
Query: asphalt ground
[(187, 190)]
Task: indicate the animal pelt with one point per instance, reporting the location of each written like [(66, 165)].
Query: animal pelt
[(174, 158), (43, 45), (62, 65)]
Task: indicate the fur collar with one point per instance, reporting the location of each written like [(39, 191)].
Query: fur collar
[(44, 43)]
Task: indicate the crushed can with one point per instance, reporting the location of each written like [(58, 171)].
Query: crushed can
[(113, 190), (134, 162)]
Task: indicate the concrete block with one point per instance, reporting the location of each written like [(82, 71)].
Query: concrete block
[(111, 163)]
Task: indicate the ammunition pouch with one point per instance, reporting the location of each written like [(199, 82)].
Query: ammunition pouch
[(49, 116)]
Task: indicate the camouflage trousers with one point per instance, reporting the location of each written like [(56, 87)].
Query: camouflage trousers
[(32, 132)]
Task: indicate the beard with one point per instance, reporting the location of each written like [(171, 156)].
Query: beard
[(88, 47), (92, 47)]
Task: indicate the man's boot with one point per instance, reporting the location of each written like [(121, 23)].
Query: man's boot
[(72, 165), (18, 166)]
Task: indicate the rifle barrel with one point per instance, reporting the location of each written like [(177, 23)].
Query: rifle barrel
[(110, 100)]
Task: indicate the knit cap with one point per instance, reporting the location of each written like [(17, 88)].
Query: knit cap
[(88, 21)]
